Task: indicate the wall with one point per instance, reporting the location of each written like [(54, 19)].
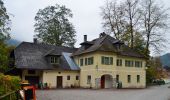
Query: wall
[(97, 70), (50, 77)]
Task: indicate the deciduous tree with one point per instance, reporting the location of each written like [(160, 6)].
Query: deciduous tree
[(53, 26), (129, 19), (4, 35), (154, 23), (4, 23)]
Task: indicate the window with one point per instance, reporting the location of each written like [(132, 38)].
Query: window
[(129, 78), (89, 79), (119, 62), (90, 60), (138, 63), (138, 78), (31, 71), (117, 78), (128, 63), (81, 62), (77, 77), (68, 77), (85, 61), (55, 60), (107, 60)]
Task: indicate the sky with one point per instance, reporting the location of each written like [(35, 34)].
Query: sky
[(86, 17)]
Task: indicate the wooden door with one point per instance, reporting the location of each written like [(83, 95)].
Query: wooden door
[(33, 80), (59, 81), (102, 82)]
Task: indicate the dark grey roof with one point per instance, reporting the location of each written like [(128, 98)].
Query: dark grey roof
[(108, 44), (34, 56)]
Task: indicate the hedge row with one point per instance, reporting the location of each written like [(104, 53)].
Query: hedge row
[(9, 83)]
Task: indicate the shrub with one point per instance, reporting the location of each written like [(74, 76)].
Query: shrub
[(9, 83)]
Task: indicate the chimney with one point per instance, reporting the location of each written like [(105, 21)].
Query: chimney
[(85, 38), (35, 40), (102, 34)]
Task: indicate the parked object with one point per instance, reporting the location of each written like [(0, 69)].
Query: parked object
[(27, 92), (159, 82), (167, 81)]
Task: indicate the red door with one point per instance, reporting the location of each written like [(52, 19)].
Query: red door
[(102, 82)]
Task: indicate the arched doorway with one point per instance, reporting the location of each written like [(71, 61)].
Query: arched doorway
[(106, 81)]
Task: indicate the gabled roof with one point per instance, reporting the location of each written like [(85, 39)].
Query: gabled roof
[(108, 44), (33, 56)]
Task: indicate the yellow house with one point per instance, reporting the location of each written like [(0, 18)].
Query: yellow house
[(101, 63)]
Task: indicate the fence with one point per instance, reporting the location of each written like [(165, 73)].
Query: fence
[(14, 95)]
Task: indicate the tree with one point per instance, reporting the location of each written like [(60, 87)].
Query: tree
[(113, 16), (155, 22), (155, 70), (4, 23), (4, 35), (3, 57), (122, 19), (130, 19), (132, 15), (53, 26)]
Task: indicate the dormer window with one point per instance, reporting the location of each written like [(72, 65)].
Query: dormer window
[(54, 60), (118, 46)]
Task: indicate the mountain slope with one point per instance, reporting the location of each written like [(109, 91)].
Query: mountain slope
[(13, 42), (165, 60)]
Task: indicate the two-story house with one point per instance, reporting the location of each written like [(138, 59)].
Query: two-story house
[(100, 63)]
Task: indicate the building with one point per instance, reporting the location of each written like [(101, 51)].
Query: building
[(100, 63)]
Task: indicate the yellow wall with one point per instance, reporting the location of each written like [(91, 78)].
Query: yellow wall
[(50, 77), (97, 70)]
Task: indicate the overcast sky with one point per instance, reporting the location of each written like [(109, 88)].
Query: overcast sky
[(86, 17)]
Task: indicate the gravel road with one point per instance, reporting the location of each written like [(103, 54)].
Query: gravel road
[(151, 93)]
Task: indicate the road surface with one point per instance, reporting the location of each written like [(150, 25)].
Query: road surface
[(151, 93)]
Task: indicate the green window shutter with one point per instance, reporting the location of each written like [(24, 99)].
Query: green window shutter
[(135, 63), (81, 62), (131, 63), (88, 59), (85, 61), (92, 60), (102, 59), (117, 62), (111, 60), (120, 62), (141, 64), (126, 63)]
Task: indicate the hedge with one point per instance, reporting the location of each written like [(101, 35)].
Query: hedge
[(9, 83)]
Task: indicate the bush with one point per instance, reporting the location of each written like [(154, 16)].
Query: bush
[(8, 83)]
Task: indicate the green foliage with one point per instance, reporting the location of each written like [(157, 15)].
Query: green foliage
[(5, 56), (154, 70), (150, 74), (8, 83), (53, 26), (4, 22), (4, 35)]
